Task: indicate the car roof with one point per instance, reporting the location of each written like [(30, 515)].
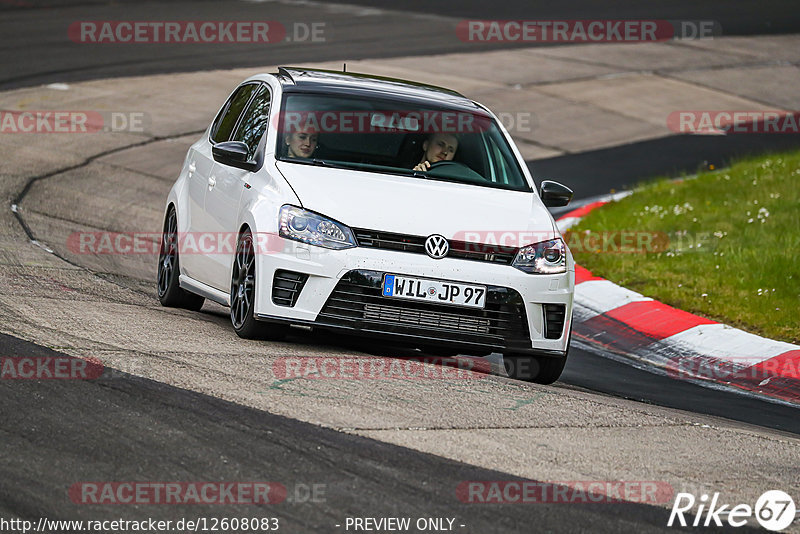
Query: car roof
[(329, 81)]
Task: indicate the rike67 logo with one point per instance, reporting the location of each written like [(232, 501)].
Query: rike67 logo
[(774, 510)]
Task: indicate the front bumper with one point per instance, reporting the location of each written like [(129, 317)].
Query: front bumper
[(342, 291)]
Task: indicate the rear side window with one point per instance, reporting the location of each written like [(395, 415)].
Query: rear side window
[(226, 120), (254, 122)]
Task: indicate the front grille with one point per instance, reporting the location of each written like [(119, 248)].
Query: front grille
[(481, 252), (427, 319), (464, 250), (286, 287), (389, 241), (554, 315), (356, 302)]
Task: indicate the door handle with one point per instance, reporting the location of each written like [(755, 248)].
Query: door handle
[(212, 181)]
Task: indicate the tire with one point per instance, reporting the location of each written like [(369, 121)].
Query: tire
[(243, 291), (170, 293), (538, 369)]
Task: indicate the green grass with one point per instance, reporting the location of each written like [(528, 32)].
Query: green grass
[(727, 248)]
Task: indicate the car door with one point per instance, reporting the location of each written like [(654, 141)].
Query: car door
[(197, 261), (223, 197)]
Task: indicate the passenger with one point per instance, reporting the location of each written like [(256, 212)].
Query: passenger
[(301, 144), (437, 147)]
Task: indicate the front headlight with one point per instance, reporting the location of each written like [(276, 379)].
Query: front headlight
[(547, 257), (315, 229)]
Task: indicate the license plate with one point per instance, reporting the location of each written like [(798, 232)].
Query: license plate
[(434, 291)]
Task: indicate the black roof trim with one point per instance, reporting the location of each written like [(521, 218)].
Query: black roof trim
[(300, 75)]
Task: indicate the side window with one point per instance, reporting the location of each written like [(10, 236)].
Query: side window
[(254, 122), (226, 120)]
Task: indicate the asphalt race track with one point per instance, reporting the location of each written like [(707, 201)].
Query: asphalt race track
[(36, 49), (181, 398), (135, 419)]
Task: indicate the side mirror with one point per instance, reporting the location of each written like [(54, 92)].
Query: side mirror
[(234, 154), (554, 194)]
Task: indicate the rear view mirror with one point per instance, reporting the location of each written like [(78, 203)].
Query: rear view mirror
[(234, 154), (394, 122), (554, 194)]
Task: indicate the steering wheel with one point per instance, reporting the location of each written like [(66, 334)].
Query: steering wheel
[(457, 170), (446, 163)]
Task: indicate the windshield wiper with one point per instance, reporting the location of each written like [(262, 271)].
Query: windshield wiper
[(438, 178), (373, 168), (332, 164), (319, 163), (367, 167)]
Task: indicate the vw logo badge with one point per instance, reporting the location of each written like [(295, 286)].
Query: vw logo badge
[(436, 246)]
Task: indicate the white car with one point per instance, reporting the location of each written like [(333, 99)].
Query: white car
[(374, 206)]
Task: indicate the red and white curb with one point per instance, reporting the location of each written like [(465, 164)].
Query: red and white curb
[(683, 345)]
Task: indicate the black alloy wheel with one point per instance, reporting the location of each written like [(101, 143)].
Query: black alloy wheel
[(170, 293)]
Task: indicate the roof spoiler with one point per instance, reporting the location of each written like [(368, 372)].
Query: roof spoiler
[(292, 73)]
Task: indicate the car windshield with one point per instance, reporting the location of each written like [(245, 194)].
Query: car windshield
[(396, 137)]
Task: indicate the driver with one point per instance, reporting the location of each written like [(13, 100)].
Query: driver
[(301, 144), (437, 147)]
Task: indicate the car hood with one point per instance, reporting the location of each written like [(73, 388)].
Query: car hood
[(417, 206)]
